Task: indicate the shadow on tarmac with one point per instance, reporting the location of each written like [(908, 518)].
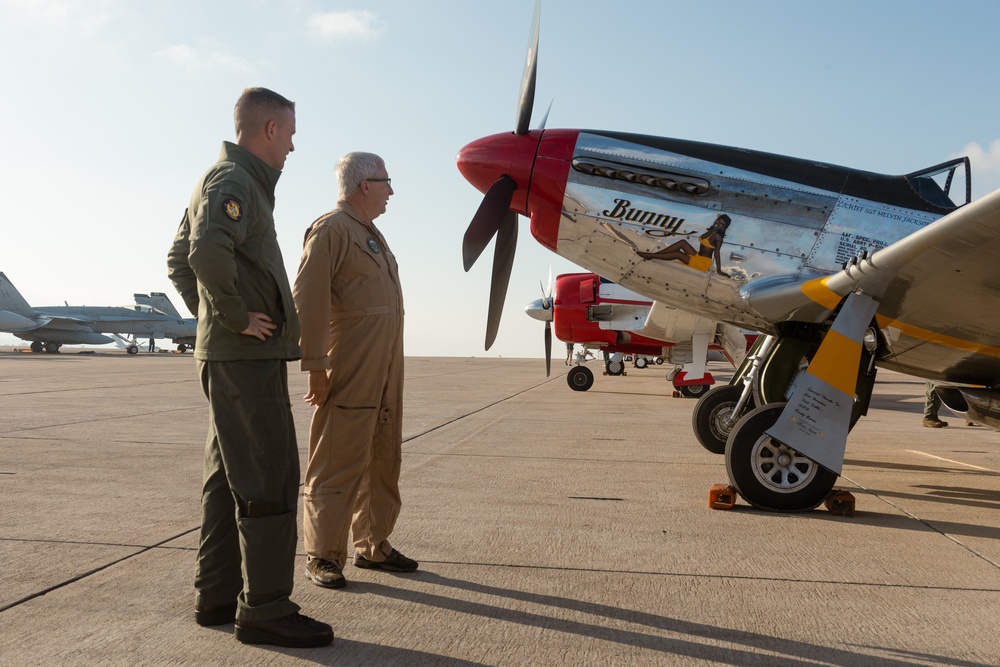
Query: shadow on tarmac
[(797, 654)]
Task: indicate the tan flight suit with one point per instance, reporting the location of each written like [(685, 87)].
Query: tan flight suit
[(350, 307)]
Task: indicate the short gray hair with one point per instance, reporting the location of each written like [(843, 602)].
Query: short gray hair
[(354, 168)]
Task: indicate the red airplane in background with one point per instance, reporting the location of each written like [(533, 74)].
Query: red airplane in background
[(598, 314), (845, 271)]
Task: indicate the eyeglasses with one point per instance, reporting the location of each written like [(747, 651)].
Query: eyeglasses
[(387, 181)]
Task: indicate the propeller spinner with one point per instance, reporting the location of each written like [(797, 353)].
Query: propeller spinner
[(541, 310)]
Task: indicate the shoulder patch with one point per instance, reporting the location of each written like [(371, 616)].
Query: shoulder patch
[(233, 209)]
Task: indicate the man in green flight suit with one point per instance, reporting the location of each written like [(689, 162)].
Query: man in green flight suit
[(226, 264)]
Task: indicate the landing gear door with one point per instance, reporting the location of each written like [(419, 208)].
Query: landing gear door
[(733, 342)]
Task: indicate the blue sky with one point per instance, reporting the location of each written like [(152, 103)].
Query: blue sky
[(114, 108)]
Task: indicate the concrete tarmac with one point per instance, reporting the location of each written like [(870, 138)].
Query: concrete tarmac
[(552, 527)]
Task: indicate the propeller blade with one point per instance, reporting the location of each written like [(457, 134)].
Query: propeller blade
[(545, 118), (503, 261), (547, 291), (528, 79), (548, 348), (487, 220)]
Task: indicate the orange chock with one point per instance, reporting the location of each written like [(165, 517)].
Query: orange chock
[(840, 503), (722, 497)]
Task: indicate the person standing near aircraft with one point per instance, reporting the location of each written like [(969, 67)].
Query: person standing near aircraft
[(226, 264), (350, 304), (700, 259), (932, 403)]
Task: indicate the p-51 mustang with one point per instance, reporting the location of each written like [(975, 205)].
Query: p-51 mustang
[(597, 314), (845, 271), (50, 327)]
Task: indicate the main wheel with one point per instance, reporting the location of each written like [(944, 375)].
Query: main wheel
[(580, 378), (640, 362), (615, 367), (132, 349), (36, 346), (692, 390), (769, 474), (713, 419)]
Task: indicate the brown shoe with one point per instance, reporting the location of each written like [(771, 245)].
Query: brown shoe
[(294, 630), (396, 562), (214, 614), (325, 573), (934, 423)]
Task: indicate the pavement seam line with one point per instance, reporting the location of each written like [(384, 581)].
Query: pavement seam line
[(476, 411), (922, 521), (84, 575)]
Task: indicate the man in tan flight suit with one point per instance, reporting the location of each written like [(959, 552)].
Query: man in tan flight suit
[(350, 306)]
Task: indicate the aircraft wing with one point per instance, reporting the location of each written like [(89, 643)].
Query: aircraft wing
[(937, 290), (673, 324), (68, 323)]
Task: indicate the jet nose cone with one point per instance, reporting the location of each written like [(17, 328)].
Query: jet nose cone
[(540, 310), (483, 161)]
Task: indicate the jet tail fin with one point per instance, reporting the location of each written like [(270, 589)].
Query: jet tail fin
[(162, 303), (11, 299)]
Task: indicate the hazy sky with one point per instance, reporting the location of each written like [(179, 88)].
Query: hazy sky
[(112, 109)]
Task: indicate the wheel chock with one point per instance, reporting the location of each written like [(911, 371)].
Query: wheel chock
[(677, 394), (840, 503), (722, 497)]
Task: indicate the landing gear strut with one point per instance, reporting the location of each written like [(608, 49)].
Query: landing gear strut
[(717, 412)]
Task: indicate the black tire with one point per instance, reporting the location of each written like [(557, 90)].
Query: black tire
[(132, 349), (640, 362), (767, 473), (711, 419), (37, 347), (580, 378), (693, 390), (615, 367), (659, 361)]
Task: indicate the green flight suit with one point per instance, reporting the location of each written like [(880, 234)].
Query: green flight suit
[(225, 262)]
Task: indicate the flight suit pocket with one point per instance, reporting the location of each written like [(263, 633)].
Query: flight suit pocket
[(349, 428), (368, 252)]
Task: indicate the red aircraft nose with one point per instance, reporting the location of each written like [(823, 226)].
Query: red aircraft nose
[(485, 160)]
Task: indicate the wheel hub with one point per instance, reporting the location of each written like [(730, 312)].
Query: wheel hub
[(722, 420), (780, 468)]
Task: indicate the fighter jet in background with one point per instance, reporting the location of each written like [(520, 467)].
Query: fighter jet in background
[(50, 327)]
